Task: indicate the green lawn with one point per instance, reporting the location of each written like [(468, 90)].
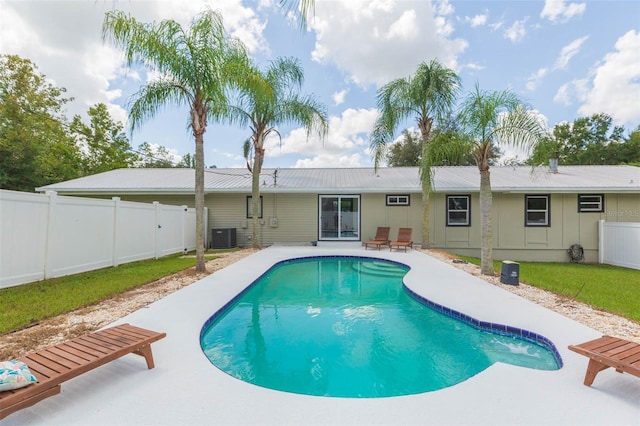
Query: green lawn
[(26, 304), (610, 288)]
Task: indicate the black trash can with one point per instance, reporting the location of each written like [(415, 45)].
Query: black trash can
[(510, 273)]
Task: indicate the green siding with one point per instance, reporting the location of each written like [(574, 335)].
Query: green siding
[(513, 240)]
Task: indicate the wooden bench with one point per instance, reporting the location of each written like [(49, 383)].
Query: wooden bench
[(606, 352), (57, 364)]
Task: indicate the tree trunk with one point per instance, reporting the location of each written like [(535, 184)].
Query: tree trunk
[(200, 266), (486, 198), (198, 125), (425, 179), (255, 195), (426, 222)]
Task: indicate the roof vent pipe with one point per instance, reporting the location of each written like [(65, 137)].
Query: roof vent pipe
[(553, 165)]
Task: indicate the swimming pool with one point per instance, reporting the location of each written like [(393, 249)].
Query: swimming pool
[(347, 327)]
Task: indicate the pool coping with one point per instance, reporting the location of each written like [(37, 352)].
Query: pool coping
[(186, 389)]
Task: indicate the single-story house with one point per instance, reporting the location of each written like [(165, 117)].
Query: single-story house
[(537, 213)]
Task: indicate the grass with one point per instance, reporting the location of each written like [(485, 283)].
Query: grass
[(610, 288), (26, 304)]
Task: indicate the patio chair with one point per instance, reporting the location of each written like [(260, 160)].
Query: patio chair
[(606, 352), (381, 238), (57, 364), (404, 240)]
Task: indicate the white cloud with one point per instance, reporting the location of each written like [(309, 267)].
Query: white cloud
[(328, 160), (473, 66), (347, 133), (517, 31), (444, 8), (616, 83), (404, 28), (559, 11), (568, 52), (63, 38), (575, 90), (375, 42), (534, 80), (476, 21), (563, 94), (338, 97)]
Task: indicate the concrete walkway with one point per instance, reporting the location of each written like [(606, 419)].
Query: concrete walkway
[(186, 389)]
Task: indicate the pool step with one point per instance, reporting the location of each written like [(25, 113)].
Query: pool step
[(380, 269)]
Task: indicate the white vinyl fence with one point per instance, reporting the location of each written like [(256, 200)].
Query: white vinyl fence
[(47, 235), (620, 243)]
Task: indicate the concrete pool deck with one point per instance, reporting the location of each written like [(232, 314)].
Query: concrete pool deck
[(186, 389)]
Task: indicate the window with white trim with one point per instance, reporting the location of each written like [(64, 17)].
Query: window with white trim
[(590, 203), (458, 210), (398, 200), (537, 210)]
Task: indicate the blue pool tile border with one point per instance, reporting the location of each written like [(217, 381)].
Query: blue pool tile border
[(501, 329)]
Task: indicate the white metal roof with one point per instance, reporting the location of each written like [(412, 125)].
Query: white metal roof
[(358, 180)]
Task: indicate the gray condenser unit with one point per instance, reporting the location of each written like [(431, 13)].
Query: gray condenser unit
[(223, 237)]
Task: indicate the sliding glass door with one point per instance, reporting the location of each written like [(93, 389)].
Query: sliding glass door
[(339, 217)]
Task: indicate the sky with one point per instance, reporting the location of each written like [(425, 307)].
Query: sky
[(566, 59)]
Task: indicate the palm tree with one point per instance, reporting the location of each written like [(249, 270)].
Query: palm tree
[(304, 7), (429, 96), (488, 118), (263, 107), (196, 66)]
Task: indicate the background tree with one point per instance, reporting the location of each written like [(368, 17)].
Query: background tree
[(196, 66), (588, 140), (103, 144), (630, 151), (187, 162), (263, 107), (35, 149), (156, 156), (447, 148), (428, 97), (489, 118), (406, 152)]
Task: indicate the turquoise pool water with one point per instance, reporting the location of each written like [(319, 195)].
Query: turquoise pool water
[(347, 327)]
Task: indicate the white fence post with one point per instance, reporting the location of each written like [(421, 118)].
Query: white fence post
[(116, 228), (48, 258), (157, 240), (185, 223), (601, 241)]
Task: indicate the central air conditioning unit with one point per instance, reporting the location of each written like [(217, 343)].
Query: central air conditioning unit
[(223, 238)]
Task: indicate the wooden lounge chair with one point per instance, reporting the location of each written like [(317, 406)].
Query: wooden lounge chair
[(404, 240), (606, 352), (69, 359), (381, 238)]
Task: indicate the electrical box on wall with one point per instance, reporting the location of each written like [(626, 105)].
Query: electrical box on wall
[(273, 222)]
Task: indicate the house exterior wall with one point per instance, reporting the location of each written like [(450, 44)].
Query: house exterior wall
[(297, 221), (377, 213), (513, 240), (296, 216)]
